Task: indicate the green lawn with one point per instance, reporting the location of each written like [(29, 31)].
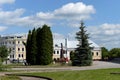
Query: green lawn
[(101, 74), (9, 78)]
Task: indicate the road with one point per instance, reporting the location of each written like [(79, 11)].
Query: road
[(96, 65)]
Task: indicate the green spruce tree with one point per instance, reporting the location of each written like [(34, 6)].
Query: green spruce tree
[(83, 56)]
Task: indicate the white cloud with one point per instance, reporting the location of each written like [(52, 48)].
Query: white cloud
[(58, 36), (10, 17), (45, 15), (70, 11), (6, 1), (11, 14), (15, 18), (3, 28), (74, 11), (107, 35)]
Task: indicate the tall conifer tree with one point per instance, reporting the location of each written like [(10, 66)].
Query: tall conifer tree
[(83, 56), (33, 48), (39, 46), (28, 47), (38, 38), (46, 46)]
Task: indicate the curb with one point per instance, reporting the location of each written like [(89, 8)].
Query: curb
[(30, 76)]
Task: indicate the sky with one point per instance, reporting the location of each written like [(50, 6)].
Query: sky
[(101, 18)]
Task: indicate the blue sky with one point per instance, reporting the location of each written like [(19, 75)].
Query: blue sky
[(101, 17)]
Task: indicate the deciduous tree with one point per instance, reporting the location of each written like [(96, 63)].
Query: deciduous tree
[(3, 53)]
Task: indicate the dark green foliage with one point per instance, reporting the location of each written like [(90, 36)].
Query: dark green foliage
[(114, 53), (105, 53), (3, 56), (33, 48), (45, 49), (108, 55), (39, 47), (38, 38), (72, 55), (83, 56), (28, 48), (3, 53)]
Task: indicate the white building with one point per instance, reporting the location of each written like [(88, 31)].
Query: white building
[(18, 51), (70, 45), (15, 46)]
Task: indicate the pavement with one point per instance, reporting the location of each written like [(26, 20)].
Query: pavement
[(30, 78), (96, 65)]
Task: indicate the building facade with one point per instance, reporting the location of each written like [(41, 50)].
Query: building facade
[(71, 45), (18, 52), (15, 46)]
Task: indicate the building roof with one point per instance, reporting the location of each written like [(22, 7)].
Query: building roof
[(72, 43)]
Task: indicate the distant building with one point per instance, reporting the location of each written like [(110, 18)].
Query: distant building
[(15, 46), (18, 52), (70, 45)]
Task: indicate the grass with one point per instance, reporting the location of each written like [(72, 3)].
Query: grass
[(9, 78), (101, 74), (20, 65)]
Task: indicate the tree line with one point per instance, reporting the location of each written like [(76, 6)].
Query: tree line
[(110, 54), (39, 46)]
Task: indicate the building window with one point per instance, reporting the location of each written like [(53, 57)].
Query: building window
[(18, 49), (18, 42), (22, 49), (97, 53), (10, 49), (58, 59), (55, 59), (56, 45), (54, 52), (13, 55), (19, 55), (13, 42), (57, 52), (22, 55)]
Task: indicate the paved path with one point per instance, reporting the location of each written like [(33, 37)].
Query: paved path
[(96, 65), (30, 78)]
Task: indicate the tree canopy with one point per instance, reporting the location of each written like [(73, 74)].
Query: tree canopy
[(3, 53), (105, 53)]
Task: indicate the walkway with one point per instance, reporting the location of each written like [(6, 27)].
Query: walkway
[(96, 65), (30, 78)]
